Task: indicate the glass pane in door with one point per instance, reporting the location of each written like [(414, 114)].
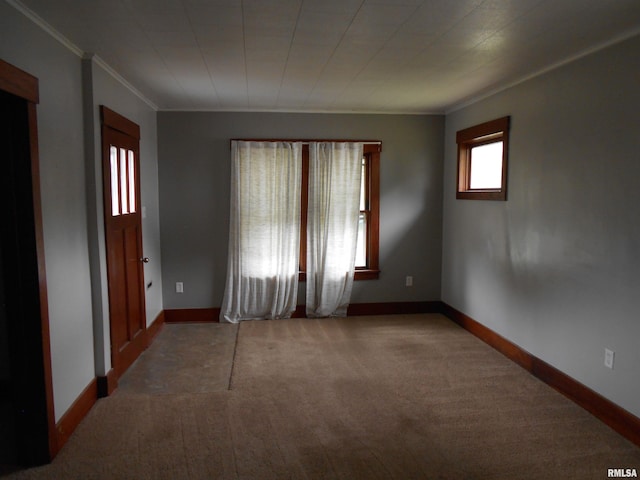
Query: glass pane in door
[(115, 202)]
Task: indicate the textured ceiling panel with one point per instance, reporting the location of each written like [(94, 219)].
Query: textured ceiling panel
[(416, 56)]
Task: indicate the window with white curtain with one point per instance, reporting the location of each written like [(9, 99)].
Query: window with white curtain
[(367, 266), (312, 206), (264, 229), (333, 211)]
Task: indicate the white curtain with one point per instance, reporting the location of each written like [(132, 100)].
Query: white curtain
[(264, 231), (335, 171)]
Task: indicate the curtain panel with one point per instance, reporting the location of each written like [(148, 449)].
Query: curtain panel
[(335, 170), (264, 231)]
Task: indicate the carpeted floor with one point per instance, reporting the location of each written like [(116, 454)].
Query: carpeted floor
[(389, 397), (190, 358)]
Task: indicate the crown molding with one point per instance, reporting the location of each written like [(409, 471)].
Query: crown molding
[(73, 48), (119, 78), (39, 21), (304, 111)]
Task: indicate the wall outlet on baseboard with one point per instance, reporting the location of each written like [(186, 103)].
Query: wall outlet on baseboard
[(179, 287), (609, 356)]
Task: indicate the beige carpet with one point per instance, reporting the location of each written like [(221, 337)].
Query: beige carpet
[(393, 397), (189, 358)]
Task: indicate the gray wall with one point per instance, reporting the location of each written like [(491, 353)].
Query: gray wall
[(102, 88), (60, 131), (554, 269), (71, 90), (194, 157)]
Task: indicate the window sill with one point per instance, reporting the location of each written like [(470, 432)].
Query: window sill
[(481, 195), (360, 274), (366, 274)]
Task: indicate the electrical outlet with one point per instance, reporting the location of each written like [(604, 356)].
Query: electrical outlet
[(179, 287), (409, 281), (609, 356)]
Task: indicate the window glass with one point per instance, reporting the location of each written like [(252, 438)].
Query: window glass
[(361, 250), (486, 166), (115, 203), (123, 180), (363, 185), (131, 181)]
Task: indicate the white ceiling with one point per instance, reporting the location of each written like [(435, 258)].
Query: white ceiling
[(395, 56)]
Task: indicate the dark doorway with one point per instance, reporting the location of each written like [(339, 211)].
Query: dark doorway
[(8, 454), (26, 407)]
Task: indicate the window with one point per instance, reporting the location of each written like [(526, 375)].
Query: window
[(363, 218), (367, 267), (482, 161), (368, 232), (122, 173)]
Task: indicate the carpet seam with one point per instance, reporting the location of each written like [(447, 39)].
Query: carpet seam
[(233, 359)]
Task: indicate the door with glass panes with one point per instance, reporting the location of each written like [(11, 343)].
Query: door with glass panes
[(123, 231)]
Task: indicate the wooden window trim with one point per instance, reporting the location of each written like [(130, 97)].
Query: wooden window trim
[(304, 202), (372, 270), (482, 134), (371, 149)]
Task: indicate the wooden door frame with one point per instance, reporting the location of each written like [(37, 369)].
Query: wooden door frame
[(111, 120), (23, 85)]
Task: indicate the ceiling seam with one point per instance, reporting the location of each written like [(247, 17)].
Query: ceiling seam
[(286, 63), (442, 34), (144, 32), (324, 67), (377, 52), (206, 65)]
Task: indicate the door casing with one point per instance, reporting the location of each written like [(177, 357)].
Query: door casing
[(28, 332)]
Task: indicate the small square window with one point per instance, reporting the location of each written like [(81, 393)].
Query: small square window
[(482, 161)]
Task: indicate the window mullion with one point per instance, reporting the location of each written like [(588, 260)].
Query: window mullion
[(304, 205)]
